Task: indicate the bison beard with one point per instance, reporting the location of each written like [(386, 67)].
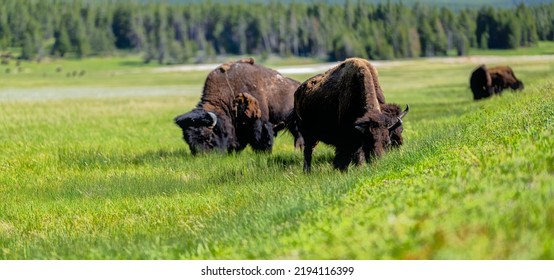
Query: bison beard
[(485, 82), (242, 104), (344, 107)]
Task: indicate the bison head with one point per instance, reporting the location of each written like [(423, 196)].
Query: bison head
[(394, 118), (503, 77), (201, 131), (381, 130)]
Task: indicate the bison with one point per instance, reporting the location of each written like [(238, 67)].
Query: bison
[(485, 82), (242, 103), (345, 107)]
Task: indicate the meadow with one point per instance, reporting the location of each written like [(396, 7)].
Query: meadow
[(108, 176)]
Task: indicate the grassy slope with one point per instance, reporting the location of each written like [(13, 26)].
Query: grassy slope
[(111, 178), (476, 186)]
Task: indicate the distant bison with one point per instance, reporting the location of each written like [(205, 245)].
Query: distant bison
[(485, 81), (345, 107), (242, 103)]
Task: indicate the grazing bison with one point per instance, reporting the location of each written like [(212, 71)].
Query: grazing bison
[(345, 107), (242, 103), (485, 82)]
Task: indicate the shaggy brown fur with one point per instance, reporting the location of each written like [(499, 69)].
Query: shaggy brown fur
[(272, 92), (342, 108), (249, 125), (485, 82), (246, 107)]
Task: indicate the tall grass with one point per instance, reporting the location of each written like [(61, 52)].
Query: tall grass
[(110, 178)]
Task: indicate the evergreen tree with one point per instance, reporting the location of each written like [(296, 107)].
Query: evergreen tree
[(528, 26), (28, 49), (5, 31), (122, 28), (485, 25), (80, 40), (62, 43), (466, 28)]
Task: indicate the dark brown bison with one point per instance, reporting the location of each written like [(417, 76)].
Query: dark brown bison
[(485, 82), (242, 103), (345, 107)]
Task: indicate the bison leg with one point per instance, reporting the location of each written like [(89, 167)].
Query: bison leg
[(343, 157), (308, 150), (262, 139), (359, 157)]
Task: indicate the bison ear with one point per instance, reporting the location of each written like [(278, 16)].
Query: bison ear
[(364, 124), (184, 120), (196, 118), (375, 119)]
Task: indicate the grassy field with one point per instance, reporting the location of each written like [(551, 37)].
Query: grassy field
[(542, 48), (110, 177)]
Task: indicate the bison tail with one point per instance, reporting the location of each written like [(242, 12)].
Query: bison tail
[(292, 124)]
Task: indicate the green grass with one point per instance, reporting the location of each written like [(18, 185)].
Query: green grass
[(110, 178), (98, 72), (112, 72), (542, 48)]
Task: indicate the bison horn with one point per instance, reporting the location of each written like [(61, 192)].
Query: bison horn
[(395, 125), (405, 112), (214, 119), (360, 128)]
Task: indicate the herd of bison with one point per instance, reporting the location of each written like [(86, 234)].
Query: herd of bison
[(244, 103)]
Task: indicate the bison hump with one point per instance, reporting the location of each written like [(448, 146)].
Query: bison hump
[(249, 60), (226, 66)]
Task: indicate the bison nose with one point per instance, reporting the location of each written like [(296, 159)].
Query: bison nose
[(517, 85)]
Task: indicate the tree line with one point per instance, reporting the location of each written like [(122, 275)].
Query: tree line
[(194, 32)]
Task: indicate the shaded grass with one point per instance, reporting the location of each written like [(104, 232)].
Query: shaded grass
[(112, 179)]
